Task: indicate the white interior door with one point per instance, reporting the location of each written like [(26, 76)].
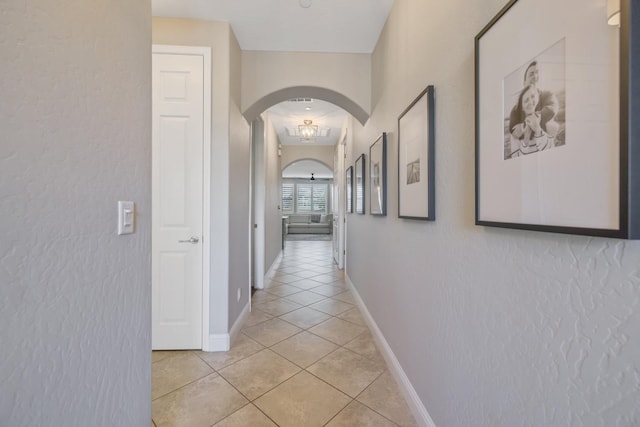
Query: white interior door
[(177, 205)]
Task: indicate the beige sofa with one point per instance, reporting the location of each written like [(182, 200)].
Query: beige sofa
[(309, 224)]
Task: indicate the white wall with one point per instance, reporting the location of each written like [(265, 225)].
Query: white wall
[(493, 327), (75, 298)]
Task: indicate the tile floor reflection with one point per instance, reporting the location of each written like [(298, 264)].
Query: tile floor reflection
[(304, 357)]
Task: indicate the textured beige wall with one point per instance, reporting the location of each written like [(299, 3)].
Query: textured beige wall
[(493, 327), (75, 298)]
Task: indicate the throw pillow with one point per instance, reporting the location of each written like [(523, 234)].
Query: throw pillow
[(314, 218)]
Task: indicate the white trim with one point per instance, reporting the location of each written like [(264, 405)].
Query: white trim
[(218, 342), (341, 208), (182, 50), (418, 410), (258, 141), (274, 265), (222, 342), (206, 196), (205, 52), (251, 218)]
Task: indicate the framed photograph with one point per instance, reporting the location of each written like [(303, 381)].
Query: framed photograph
[(416, 161), (378, 176), (552, 131), (348, 183), (359, 184)]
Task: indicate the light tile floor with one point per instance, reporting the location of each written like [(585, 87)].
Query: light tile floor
[(304, 357)]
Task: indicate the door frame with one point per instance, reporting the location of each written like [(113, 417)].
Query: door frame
[(258, 202), (205, 52), (339, 183)]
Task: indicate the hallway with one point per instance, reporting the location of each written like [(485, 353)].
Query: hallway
[(304, 357)]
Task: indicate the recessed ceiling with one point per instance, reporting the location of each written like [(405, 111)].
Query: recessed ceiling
[(348, 26), (287, 116)]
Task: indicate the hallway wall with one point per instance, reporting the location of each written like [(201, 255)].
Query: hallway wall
[(239, 194), (75, 305), (493, 327)]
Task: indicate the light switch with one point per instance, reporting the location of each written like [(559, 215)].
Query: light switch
[(126, 217)]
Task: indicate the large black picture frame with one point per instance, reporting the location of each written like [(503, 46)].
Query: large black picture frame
[(584, 176), (348, 186), (378, 176), (416, 159), (359, 183)]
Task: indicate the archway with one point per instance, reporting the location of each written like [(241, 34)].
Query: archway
[(324, 94), (304, 167), (263, 224)]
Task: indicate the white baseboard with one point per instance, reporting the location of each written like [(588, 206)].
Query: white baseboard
[(418, 410), (218, 342), (222, 342), (274, 265)]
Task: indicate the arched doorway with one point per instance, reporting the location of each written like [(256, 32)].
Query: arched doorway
[(328, 95), (296, 159)]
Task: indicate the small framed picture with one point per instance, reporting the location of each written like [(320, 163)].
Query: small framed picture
[(416, 159), (552, 120), (348, 184), (378, 176), (359, 184)]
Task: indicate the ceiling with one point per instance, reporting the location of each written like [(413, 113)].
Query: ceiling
[(348, 26), (304, 169), (288, 115)]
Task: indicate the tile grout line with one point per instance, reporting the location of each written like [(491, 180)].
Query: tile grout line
[(189, 383), (366, 388)]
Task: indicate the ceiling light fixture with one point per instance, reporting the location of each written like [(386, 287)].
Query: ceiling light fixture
[(613, 12), (305, 3), (307, 131)]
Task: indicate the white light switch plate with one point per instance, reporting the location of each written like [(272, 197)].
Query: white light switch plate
[(126, 217)]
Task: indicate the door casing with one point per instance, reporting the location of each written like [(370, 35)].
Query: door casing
[(258, 202), (339, 209)]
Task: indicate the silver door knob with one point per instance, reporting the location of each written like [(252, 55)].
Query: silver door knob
[(192, 240)]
